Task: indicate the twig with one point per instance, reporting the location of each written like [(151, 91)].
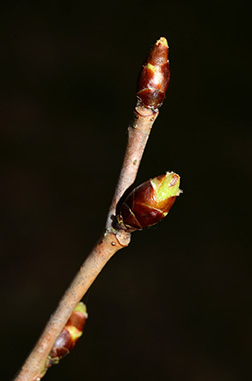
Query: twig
[(113, 239), (138, 134)]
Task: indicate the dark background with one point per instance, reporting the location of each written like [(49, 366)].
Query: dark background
[(174, 305)]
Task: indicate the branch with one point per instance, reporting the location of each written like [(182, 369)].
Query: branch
[(152, 85)]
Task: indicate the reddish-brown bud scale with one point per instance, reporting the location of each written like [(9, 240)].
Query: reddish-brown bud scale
[(154, 77), (69, 336), (149, 203)]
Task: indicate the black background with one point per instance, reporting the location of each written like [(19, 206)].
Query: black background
[(174, 305)]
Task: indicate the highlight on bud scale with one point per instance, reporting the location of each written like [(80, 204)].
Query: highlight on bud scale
[(149, 203)]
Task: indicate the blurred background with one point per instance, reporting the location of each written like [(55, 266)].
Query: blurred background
[(176, 304)]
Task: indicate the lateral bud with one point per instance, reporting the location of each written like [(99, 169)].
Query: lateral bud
[(149, 203), (154, 77), (69, 336)]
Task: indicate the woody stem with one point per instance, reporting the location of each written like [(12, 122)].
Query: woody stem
[(107, 246), (138, 134), (112, 240)]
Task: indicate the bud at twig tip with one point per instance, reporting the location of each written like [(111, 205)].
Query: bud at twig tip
[(154, 77)]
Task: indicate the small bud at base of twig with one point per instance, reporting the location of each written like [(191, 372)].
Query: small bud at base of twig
[(69, 336)]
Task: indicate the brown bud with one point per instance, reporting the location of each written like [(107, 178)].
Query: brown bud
[(154, 77), (69, 336), (149, 203)]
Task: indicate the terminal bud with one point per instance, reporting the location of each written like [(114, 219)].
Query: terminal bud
[(154, 77)]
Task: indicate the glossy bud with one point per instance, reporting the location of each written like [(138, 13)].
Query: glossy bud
[(69, 336), (149, 203), (154, 77)]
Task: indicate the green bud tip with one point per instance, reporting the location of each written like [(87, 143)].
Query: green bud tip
[(166, 186), (163, 41), (81, 308)]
